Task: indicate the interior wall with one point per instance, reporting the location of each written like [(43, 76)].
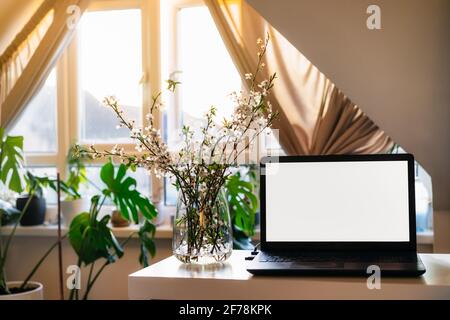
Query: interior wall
[(399, 75), (14, 14), (111, 285)]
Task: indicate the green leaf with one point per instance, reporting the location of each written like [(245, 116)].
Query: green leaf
[(243, 203), (11, 161), (122, 189), (107, 173), (146, 235), (92, 239)]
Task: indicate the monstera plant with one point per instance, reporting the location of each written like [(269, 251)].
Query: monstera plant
[(241, 192), (92, 240), (11, 161), (122, 190), (12, 177), (91, 236)]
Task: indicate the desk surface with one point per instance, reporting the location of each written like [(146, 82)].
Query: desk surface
[(170, 279)]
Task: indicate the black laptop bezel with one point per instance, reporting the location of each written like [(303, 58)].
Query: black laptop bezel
[(409, 246)]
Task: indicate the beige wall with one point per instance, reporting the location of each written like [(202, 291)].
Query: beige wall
[(112, 284), (14, 14), (399, 75)]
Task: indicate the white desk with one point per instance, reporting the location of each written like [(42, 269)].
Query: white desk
[(170, 279)]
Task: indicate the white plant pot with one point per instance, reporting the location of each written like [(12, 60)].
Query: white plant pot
[(70, 209), (36, 294)]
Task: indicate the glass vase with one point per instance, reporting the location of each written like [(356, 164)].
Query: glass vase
[(202, 233)]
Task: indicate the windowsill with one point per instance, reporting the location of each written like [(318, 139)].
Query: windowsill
[(425, 237), (163, 231)]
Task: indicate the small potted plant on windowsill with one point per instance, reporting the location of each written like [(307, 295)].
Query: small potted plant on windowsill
[(34, 213), (73, 203), (11, 177)]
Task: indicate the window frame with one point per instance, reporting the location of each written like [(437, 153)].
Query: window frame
[(68, 89), (150, 76)]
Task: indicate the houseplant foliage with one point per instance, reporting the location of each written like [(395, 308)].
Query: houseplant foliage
[(72, 203), (122, 190), (11, 161), (11, 173), (91, 236), (241, 193), (92, 240), (202, 163)]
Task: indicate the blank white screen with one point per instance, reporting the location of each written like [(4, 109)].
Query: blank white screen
[(337, 201)]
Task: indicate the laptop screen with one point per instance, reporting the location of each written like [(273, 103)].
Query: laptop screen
[(344, 201)]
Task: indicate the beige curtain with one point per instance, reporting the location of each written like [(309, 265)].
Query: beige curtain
[(315, 116), (28, 60)]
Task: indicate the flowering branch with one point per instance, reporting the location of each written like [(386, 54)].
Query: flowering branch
[(201, 165)]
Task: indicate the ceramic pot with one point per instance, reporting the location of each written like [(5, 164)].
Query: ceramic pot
[(36, 293), (35, 213), (118, 221), (71, 208)]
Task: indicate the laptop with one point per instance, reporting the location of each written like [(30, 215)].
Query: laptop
[(337, 215)]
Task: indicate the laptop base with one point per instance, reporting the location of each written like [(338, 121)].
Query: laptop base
[(337, 266)]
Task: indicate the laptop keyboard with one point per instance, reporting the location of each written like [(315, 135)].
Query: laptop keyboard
[(320, 257)]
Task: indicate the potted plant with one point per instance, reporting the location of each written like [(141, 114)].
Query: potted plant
[(34, 213), (91, 237), (73, 203), (11, 173), (92, 240), (201, 166), (132, 206)]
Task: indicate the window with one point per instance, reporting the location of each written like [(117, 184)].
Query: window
[(110, 63), (128, 49), (37, 123), (200, 56), (208, 74)]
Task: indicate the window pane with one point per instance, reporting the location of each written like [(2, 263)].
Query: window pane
[(37, 122), (110, 64), (208, 74)]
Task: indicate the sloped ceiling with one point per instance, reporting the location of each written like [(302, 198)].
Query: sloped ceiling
[(399, 75), (13, 16)]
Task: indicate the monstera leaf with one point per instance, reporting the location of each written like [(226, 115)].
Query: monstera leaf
[(146, 234), (11, 160), (122, 189), (243, 203), (91, 238)]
